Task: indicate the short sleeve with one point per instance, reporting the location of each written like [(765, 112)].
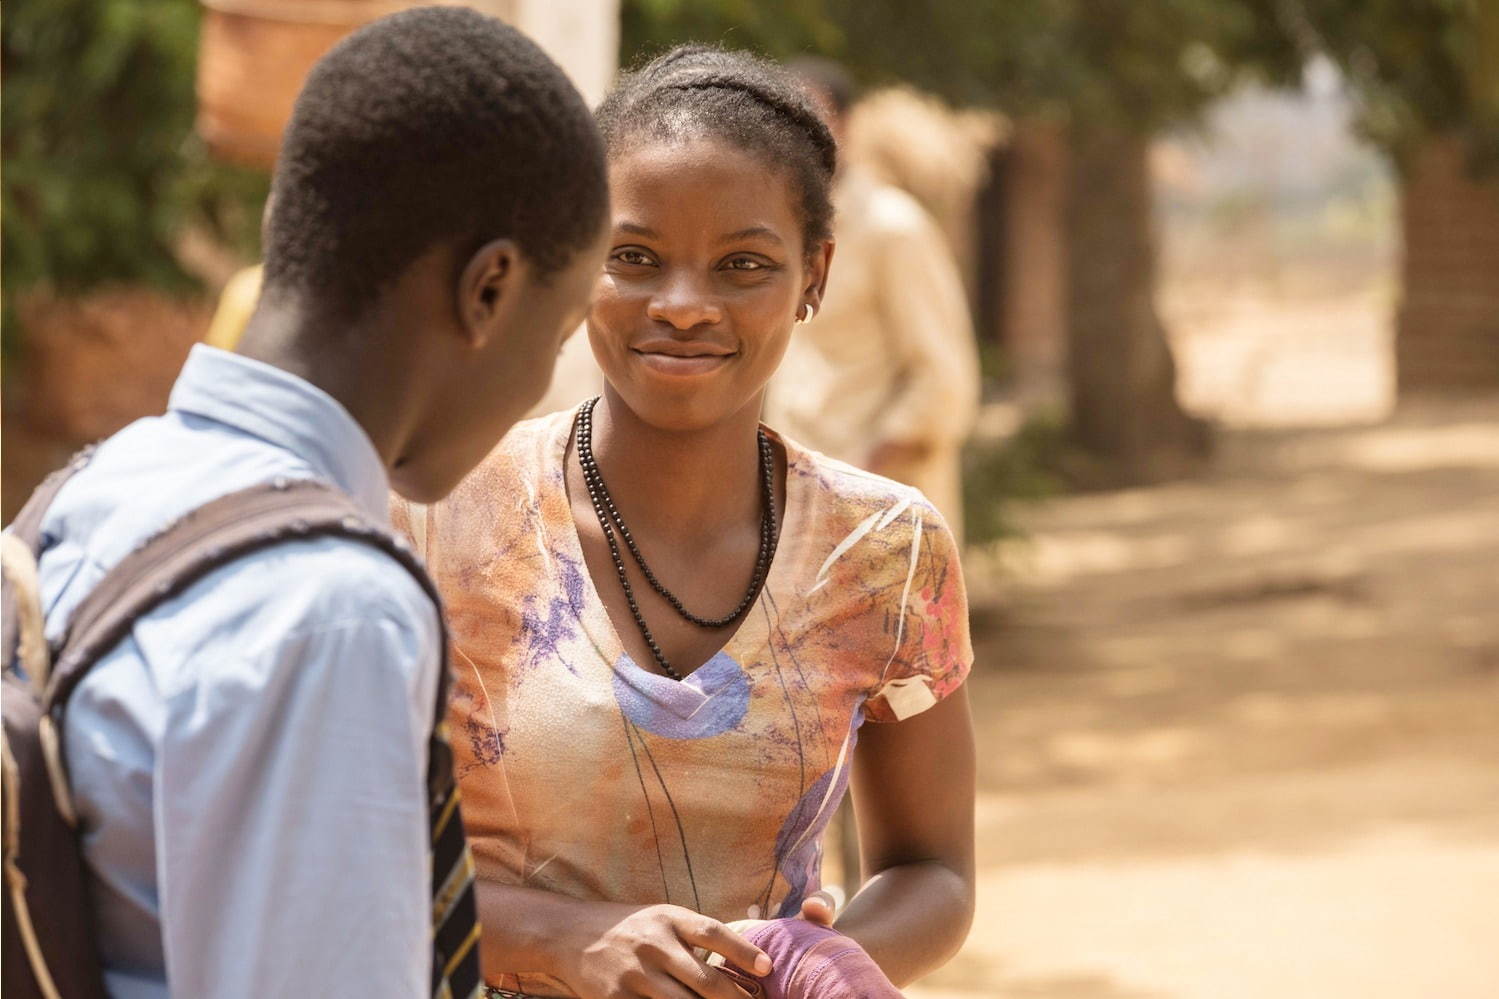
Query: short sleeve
[(933, 652)]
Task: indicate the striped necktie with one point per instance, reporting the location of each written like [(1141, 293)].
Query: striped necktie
[(455, 913), (455, 916)]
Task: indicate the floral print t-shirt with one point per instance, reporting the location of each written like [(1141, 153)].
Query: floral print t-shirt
[(586, 775)]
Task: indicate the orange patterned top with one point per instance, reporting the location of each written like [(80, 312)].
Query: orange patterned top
[(586, 775)]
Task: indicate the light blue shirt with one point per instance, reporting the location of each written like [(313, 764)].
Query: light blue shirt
[(249, 763)]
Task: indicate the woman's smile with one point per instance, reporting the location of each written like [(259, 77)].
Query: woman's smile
[(682, 358)]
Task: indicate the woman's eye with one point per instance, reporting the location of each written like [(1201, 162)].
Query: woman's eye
[(632, 257), (744, 264)]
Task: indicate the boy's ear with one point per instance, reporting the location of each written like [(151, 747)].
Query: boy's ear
[(487, 289)]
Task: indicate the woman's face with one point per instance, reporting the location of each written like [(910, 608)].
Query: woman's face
[(704, 278)]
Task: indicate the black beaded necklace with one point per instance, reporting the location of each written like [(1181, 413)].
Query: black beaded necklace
[(610, 521)]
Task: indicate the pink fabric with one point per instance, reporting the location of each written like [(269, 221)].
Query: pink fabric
[(813, 962)]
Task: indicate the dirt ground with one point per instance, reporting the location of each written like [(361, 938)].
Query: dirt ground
[(1238, 735)]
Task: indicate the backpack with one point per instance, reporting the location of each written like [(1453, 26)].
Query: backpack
[(48, 940)]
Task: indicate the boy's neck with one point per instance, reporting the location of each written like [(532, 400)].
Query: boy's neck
[(291, 338)]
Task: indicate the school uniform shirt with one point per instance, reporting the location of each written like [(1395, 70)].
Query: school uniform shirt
[(249, 762), (586, 775), (891, 355)]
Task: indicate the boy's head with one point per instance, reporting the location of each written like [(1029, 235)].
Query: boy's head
[(441, 189)]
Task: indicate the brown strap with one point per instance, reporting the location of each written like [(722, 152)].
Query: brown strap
[(206, 539), (15, 880), (27, 528), (28, 523)]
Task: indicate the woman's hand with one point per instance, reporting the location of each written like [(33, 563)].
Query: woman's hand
[(626, 952), (820, 907)]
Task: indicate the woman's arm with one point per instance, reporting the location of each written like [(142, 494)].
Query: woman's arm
[(606, 950), (913, 784)]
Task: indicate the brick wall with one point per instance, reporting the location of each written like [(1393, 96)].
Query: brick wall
[(90, 365), (1448, 323)]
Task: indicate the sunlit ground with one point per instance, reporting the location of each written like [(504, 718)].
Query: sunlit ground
[(1249, 358), (1238, 734)]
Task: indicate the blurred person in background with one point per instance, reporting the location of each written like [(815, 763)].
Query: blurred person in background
[(886, 375), (236, 306)]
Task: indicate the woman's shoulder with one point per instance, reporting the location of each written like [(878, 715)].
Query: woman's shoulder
[(846, 493), (879, 584), (862, 522)]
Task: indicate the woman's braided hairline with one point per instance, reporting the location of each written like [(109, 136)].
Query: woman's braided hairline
[(804, 118), (660, 96)]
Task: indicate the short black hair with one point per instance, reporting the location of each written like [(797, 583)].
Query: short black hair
[(697, 91), (431, 125), (827, 78)]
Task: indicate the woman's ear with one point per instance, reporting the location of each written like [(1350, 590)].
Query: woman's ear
[(819, 262), (487, 290)]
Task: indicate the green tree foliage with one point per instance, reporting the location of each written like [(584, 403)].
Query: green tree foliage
[(101, 167), (1112, 62), (1118, 62), (1419, 66), (777, 28)]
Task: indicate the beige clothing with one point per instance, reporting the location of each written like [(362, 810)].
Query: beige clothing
[(236, 304), (891, 356)]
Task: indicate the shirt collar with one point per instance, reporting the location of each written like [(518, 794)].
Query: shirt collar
[(288, 412)]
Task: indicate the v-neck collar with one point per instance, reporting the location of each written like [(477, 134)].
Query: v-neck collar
[(754, 628)]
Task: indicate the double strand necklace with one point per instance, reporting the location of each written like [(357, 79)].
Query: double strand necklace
[(611, 523)]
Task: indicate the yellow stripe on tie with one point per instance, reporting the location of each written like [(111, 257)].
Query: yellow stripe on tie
[(462, 952), (446, 992), (452, 887), (447, 813)]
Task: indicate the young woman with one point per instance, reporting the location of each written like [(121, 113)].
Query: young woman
[(671, 625)]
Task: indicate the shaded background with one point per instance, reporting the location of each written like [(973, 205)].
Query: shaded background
[(1233, 501)]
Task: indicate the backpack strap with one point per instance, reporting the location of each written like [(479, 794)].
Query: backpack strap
[(25, 626), (205, 539), (28, 523), (25, 532)]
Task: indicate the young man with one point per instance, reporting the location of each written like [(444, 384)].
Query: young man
[(249, 762)]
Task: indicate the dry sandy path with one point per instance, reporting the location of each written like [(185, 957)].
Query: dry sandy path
[(1240, 736)]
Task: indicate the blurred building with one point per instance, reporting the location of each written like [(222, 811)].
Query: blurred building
[(254, 55), (95, 362)]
